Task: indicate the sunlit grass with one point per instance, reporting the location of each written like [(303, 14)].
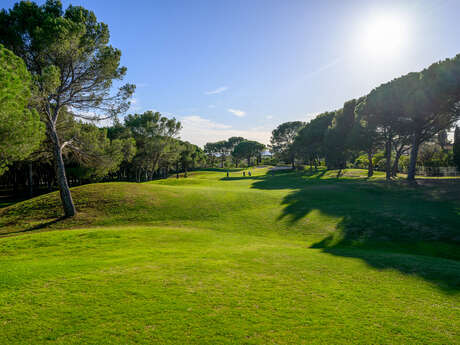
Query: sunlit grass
[(285, 258)]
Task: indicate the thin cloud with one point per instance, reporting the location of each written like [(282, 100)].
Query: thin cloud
[(200, 131), (217, 91), (195, 121), (135, 104), (237, 112), (211, 106), (323, 68), (269, 117)]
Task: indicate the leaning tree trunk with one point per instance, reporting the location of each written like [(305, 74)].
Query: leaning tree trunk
[(59, 168), (370, 168), (388, 159), (413, 159)]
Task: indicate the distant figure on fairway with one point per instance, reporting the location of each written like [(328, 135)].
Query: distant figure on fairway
[(249, 172), (227, 173), (244, 173)]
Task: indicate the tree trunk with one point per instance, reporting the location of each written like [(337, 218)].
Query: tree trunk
[(156, 159), (293, 164), (388, 159), (370, 168), (394, 169), (31, 180), (59, 168), (249, 161), (413, 159)]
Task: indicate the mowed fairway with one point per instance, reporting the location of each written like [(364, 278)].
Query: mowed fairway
[(282, 258)]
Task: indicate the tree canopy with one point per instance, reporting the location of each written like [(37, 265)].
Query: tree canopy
[(282, 139), (72, 65), (20, 128), (248, 149)]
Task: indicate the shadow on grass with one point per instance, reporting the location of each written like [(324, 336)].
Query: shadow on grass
[(34, 228), (389, 225)]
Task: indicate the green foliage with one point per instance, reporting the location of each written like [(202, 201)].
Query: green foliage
[(432, 155), (72, 65), (248, 149), (68, 54), (399, 115), (221, 150), (189, 156), (20, 128), (309, 144), (282, 140), (153, 134), (336, 136)]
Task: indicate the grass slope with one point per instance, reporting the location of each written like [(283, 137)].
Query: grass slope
[(274, 258)]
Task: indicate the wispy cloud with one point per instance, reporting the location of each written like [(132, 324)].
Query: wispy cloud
[(237, 112), (323, 68), (211, 106), (135, 105), (195, 121), (269, 117), (200, 131), (217, 91)]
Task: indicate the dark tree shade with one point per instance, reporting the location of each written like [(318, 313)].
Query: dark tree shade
[(457, 147)]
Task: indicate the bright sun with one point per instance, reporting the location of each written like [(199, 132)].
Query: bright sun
[(384, 36)]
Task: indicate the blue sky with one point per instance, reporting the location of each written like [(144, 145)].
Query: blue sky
[(228, 67)]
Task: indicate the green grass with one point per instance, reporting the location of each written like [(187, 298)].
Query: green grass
[(285, 258)]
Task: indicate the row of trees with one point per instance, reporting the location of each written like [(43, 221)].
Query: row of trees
[(143, 147), (57, 70), (235, 148), (396, 117)]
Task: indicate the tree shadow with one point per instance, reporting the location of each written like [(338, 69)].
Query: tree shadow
[(39, 226), (390, 225)]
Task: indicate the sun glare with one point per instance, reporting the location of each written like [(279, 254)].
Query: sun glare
[(384, 37)]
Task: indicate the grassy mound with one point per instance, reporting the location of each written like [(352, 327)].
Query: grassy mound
[(323, 208), (286, 257)]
